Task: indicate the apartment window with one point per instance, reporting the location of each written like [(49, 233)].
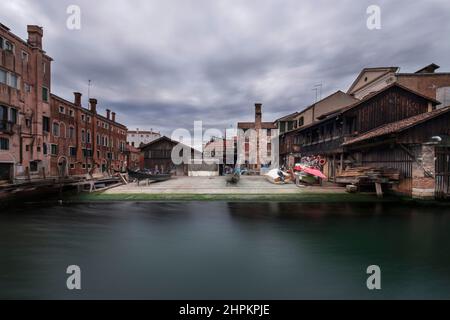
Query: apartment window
[(71, 132), (98, 154), (62, 109), (8, 46), (44, 67), (98, 139), (87, 153), (71, 113), (301, 121), (2, 76), (4, 144), (83, 166), (24, 56), (72, 151), (13, 115), (7, 115), (105, 143), (54, 149), (83, 136), (28, 123), (46, 124), (33, 166), (45, 94), (56, 129), (2, 41), (88, 119), (88, 136), (83, 117), (44, 148), (27, 88), (72, 166), (12, 80)]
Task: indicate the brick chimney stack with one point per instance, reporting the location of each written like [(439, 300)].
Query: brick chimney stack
[(108, 113), (77, 100), (258, 115), (93, 103), (113, 117), (35, 34)]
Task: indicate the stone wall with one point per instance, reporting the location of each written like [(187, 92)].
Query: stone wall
[(423, 182)]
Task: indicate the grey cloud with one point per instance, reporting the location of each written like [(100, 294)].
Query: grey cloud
[(163, 64)]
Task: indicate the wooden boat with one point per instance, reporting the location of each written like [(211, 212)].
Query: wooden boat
[(233, 178), (139, 175)]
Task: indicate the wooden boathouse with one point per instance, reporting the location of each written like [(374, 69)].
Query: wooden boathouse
[(394, 128)]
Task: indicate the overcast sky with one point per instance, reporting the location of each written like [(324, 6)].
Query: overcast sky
[(163, 64)]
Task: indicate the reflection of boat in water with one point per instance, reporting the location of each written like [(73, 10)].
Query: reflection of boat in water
[(141, 175)]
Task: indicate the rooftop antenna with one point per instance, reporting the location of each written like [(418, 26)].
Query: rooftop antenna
[(318, 89)]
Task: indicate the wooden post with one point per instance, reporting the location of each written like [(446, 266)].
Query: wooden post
[(379, 189), (341, 163)]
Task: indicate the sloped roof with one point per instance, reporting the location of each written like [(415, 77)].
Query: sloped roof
[(394, 84), (365, 70), (167, 139), (428, 69), (288, 117), (397, 126)]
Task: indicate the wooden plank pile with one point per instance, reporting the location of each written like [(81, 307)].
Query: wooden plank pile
[(368, 175)]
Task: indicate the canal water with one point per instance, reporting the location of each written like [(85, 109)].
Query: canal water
[(221, 250)]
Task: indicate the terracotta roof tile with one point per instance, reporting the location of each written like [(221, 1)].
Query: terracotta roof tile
[(397, 126)]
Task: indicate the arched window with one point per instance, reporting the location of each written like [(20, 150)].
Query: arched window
[(56, 129), (62, 130), (71, 133)]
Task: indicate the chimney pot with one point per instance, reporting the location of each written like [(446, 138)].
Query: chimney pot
[(35, 34), (113, 117), (77, 100), (108, 113), (93, 103)]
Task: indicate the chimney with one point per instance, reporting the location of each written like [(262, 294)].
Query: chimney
[(113, 117), (258, 115), (35, 34), (93, 103), (77, 100), (108, 113)]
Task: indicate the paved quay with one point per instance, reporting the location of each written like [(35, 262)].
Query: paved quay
[(217, 185)]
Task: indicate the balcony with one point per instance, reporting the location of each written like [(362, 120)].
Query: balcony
[(6, 127)]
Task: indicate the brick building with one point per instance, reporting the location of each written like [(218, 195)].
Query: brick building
[(37, 139), (263, 133), (82, 141)]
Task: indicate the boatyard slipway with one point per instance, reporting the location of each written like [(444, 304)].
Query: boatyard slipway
[(252, 185)]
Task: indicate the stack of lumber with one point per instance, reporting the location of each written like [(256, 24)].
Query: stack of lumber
[(367, 175)]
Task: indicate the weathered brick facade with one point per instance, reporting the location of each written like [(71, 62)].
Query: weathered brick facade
[(36, 136), (86, 141)]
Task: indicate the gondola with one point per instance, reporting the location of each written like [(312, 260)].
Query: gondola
[(139, 175)]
